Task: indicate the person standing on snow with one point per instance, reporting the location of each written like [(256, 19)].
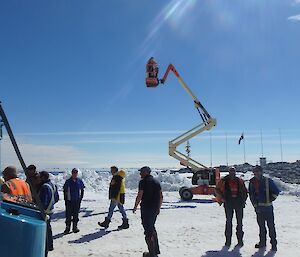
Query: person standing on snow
[(49, 196), (233, 193), (150, 196), (117, 198), (73, 194), (263, 192)]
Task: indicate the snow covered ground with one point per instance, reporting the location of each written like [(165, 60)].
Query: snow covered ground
[(194, 229)]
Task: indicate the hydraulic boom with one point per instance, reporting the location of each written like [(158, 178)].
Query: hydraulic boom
[(207, 123)]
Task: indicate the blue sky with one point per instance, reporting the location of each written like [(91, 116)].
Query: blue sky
[(72, 80)]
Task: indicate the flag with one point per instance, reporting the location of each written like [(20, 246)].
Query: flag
[(241, 138)]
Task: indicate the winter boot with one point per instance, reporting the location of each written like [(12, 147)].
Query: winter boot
[(260, 245), (274, 248), (240, 244), (239, 236), (67, 230), (147, 254), (75, 228), (105, 223), (124, 225)]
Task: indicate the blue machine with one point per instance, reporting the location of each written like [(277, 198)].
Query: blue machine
[(22, 231)]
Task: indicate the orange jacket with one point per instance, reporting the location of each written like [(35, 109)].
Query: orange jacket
[(236, 186), (18, 187)]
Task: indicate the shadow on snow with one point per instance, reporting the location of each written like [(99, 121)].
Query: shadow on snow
[(92, 236), (85, 212), (194, 201), (235, 252), (58, 236), (223, 253)]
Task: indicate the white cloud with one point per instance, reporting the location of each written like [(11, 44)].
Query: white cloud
[(89, 133), (44, 155), (64, 156), (136, 148), (218, 133), (295, 17)]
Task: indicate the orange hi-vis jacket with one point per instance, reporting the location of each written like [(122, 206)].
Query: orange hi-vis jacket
[(19, 188), (235, 188)]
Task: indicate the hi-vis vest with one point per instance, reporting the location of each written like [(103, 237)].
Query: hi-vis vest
[(262, 192), (19, 188), (52, 200), (268, 202)]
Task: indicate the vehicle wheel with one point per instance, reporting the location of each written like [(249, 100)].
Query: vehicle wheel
[(180, 190), (186, 194)]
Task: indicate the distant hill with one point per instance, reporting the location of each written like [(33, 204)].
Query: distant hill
[(287, 172)]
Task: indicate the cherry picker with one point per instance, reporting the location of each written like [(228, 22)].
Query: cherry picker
[(205, 178)]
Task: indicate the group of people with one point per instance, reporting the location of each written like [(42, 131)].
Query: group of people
[(233, 194), (150, 199), (37, 188)]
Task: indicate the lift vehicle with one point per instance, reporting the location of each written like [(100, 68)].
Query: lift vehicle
[(205, 178), (22, 223)]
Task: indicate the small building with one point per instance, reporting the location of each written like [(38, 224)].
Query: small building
[(262, 161)]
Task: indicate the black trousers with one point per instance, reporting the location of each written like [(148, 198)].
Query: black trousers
[(149, 216), (72, 211), (49, 238), (239, 213), (263, 218)]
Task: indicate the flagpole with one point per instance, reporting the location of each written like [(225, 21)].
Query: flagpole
[(261, 141), (280, 146), (244, 147), (210, 149), (226, 149)]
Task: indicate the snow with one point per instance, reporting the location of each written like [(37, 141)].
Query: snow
[(194, 229)]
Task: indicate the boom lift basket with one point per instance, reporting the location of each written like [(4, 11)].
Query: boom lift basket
[(152, 73)]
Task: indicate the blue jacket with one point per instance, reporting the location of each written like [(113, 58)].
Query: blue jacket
[(73, 190), (267, 192), (49, 196)]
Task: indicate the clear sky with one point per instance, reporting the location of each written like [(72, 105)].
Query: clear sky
[(72, 80)]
